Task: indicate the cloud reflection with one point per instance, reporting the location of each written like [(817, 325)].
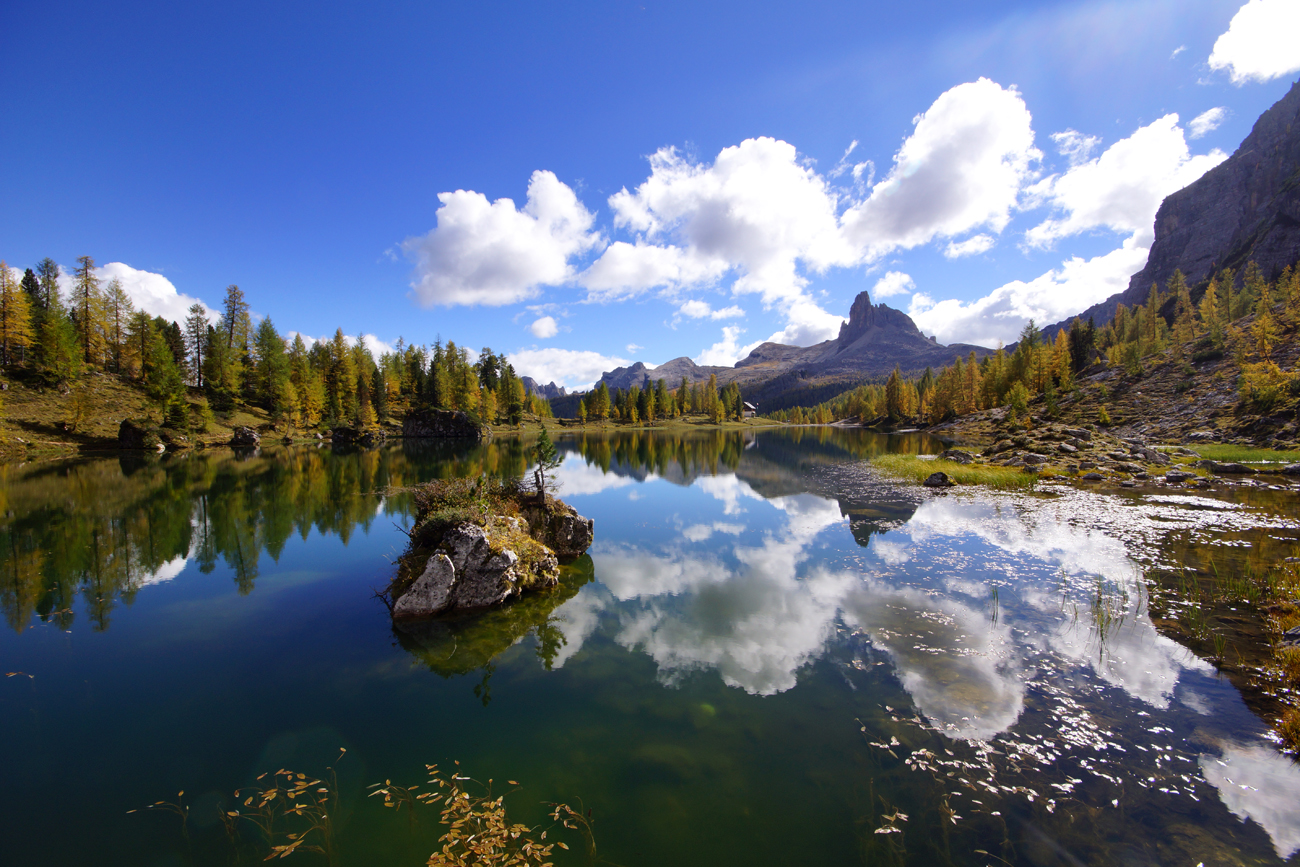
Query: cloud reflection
[(1255, 782)]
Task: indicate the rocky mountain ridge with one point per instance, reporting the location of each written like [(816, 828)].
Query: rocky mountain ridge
[(1245, 209), (873, 339)]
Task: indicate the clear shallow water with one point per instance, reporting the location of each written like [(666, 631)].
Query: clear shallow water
[(769, 652)]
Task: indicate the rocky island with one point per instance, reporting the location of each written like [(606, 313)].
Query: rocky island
[(479, 543)]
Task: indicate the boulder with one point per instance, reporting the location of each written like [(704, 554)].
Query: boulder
[(1178, 476), (939, 480), (442, 423), (1091, 477), (349, 436), (139, 435), (1202, 436), (245, 437), (1227, 469), (476, 567), (961, 457), (561, 529)]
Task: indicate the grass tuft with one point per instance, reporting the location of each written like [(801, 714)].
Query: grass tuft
[(914, 468), (1289, 728), (1245, 454)]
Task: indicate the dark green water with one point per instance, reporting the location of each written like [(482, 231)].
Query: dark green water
[(768, 653)]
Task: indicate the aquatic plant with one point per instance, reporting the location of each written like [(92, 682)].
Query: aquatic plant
[(294, 812)]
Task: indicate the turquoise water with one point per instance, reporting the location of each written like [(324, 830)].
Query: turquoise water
[(771, 656)]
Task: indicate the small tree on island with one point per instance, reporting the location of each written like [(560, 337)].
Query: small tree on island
[(548, 458)]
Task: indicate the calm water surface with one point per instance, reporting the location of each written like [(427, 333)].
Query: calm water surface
[(771, 656)]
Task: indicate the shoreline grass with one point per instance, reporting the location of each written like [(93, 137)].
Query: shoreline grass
[(1245, 454), (917, 469)]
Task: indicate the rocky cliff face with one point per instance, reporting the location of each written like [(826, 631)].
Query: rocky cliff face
[(1245, 209), (549, 391)]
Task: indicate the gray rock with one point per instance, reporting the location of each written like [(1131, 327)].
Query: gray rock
[(347, 436), (430, 593), (1128, 483), (1091, 477), (1228, 469), (1291, 470), (1087, 465), (561, 529), (245, 437), (961, 457), (466, 572), (1066, 449), (139, 435), (1078, 433), (442, 423), (939, 480), (1291, 638), (1178, 476), (1202, 436)]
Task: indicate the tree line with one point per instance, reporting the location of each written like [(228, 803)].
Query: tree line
[(659, 402), (95, 326), (1228, 314)]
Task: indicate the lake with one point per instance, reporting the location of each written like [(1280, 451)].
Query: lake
[(771, 655)]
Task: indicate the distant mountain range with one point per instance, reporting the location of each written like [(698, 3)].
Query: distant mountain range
[(549, 391), (874, 339), (1245, 209)]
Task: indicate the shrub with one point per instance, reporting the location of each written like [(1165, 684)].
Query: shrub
[(1103, 417), (1262, 385)]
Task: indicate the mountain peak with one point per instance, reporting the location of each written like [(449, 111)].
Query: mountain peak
[(866, 318)]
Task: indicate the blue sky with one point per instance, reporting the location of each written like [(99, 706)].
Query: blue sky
[(677, 172)]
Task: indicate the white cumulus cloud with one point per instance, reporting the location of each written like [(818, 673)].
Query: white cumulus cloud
[(153, 293), (1075, 146), (544, 327), (806, 324), (726, 351), (1207, 122), (999, 316), (962, 167), (1260, 43), (1122, 188), (893, 283), (758, 212), (696, 309), (490, 253), (972, 246), (572, 368)]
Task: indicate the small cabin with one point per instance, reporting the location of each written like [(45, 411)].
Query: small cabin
[(750, 410)]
